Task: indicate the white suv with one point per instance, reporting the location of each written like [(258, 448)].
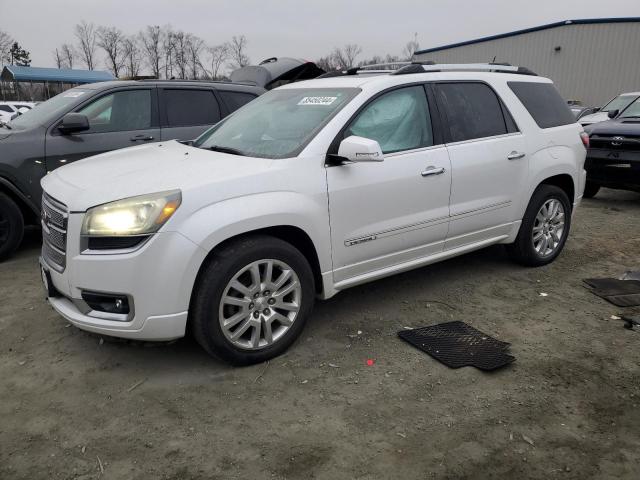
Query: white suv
[(310, 189)]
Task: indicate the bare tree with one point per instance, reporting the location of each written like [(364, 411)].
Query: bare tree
[(195, 46), (168, 47), (110, 40), (180, 55), (410, 48), (327, 63), (87, 39), (237, 53), (152, 39), (64, 56), (57, 57), (345, 57), (132, 56), (218, 55), (5, 45)]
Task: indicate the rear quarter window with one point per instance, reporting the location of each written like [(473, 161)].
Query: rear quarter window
[(544, 103), (189, 107), (235, 100)]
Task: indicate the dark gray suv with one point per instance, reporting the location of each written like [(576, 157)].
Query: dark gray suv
[(97, 118)]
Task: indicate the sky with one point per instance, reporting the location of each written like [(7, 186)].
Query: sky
[(297, 28)]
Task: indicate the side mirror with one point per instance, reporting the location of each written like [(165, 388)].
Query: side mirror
[(74, 122), (360, 149), (613, 113)]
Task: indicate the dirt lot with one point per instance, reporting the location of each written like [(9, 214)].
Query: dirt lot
[(74, 406)]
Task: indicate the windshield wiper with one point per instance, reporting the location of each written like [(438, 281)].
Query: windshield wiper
[(6, 125), (232, 151)]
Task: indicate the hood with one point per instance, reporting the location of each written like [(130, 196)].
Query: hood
[(629, 127), (273, 72), (594, 118), (146, 169)]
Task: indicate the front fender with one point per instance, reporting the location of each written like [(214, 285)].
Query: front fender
[(215, 223)]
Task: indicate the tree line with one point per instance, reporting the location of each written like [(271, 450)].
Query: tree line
[(166, 52), (158, 51)]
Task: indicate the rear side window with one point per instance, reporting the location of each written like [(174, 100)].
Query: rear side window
[(235, 100), (473, 110), (190, 107), (5, 108), (544, 103)]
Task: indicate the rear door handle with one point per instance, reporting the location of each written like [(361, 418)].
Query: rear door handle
[(432, 171), (515, 155), (141, 138)]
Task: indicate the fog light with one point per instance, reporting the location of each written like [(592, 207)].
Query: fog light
[(106, 302)]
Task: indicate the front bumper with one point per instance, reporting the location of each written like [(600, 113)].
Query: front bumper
[(617, 168), (158, 277)]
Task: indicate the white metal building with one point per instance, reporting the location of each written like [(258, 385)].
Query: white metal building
[(589, 60)]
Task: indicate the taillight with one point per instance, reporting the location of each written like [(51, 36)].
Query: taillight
[(585, 139)]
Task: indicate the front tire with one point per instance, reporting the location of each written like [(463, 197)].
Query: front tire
[(11, 226), (252, 300), (544, 228)]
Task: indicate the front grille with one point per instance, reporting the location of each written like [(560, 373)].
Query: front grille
[(615, 142), (54, 232)]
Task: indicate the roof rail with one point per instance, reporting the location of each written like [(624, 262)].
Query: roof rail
[(375, 68), (422, 67)]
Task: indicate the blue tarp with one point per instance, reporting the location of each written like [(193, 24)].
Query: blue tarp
[(38, 74)]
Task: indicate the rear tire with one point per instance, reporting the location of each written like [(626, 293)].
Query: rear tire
[(591, 189), (544, 228), (252, 300), (11, 226)]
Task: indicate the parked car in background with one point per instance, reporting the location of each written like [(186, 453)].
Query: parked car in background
[(580, 111), (313, 188), (97, 118), (611, 109), (613, 157), (274, 72), (8, 110)]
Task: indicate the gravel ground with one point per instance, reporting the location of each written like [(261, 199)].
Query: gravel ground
[(74, 405)]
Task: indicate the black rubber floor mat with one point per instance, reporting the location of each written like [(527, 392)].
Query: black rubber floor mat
[(457, 344), (622, 293)]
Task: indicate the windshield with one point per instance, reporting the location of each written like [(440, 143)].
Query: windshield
[(53, 107), (278, 124), (619, 103), (632, 110)]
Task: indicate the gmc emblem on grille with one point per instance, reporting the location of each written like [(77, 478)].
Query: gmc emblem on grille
[(617, 141)]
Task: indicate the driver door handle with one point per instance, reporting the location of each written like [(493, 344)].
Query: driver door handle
[(141, 138), (432, 171), (515, 155)]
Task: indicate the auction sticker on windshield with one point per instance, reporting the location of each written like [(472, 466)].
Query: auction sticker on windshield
[(317, 100), (74, 94)]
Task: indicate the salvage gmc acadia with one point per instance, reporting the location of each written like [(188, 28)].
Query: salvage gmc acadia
[(310, 189)]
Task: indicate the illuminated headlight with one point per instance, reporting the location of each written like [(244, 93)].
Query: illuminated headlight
[(141, 215)]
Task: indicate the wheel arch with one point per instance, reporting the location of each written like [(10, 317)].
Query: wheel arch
[(565, 182), (30, 212), (291, 234)]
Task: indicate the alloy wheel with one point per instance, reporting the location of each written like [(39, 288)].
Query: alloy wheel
[(548, 227), (260, 304)]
